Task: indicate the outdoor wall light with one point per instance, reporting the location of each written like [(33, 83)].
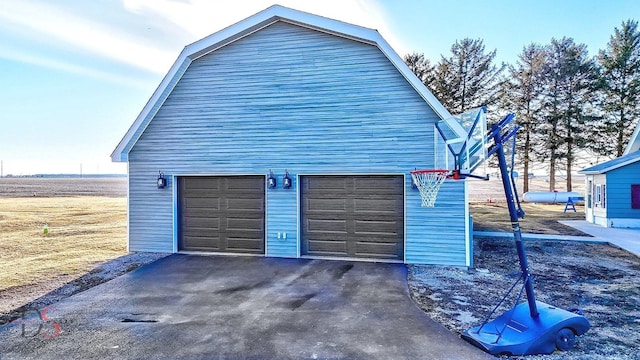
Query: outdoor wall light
[(286, 180), (162, 181), (271, 180)]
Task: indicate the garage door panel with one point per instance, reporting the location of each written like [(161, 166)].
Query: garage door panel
[(244, 224), (192, 223), (202, 203), (379, 240), (324, 205), (210, 243), (205, 195), (324, 183), (201, 212), (386, 206), (375, 217), (327, 225), (353, 216), (244, 204), (328, 248), (363, 192), (244, 245), (330, 236), (204, 234), (381, 228), (376, 250), (207, 184), (221, 214), (378, 184), (245, 183)]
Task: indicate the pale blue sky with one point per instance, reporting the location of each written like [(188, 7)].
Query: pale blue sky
[(74, 74)]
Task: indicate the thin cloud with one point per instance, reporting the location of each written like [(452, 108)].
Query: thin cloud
[(84, 34), (114, 38), (17, 56)]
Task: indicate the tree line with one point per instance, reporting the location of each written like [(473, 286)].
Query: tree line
[(565, 100)]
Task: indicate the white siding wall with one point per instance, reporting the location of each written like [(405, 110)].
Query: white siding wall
[(599, 212)]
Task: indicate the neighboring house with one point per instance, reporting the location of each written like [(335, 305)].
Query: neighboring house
[(613, 192), (327, 103)]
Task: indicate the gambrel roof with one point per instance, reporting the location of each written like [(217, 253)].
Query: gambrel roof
[(253, 24)]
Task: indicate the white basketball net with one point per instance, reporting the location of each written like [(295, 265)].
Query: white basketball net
[(428, 183)]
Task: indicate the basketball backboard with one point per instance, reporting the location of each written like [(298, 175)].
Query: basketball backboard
[(460, 141)]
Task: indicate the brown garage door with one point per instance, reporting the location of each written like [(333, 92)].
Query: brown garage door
[(353, 216), (222, 214)]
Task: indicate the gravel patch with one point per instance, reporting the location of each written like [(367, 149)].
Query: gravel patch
[(599, 279)]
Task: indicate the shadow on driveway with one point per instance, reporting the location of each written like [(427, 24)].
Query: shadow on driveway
[(188, 306)]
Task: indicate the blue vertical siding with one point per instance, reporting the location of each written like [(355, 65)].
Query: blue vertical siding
[(619, 191), (436, 235), (287, 97), (282, 218), (150, 209)]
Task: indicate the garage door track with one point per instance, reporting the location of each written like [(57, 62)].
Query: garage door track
[(188, 306)]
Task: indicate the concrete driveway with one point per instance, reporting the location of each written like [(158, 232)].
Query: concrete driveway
[(187, 306)]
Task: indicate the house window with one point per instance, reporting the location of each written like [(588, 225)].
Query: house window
[(604, 196), (635, 196), (598, 193)]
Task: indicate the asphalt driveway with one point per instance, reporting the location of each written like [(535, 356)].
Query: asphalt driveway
[(187, 306)]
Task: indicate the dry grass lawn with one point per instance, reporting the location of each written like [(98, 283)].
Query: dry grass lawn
[(539, 218), (83, 231)]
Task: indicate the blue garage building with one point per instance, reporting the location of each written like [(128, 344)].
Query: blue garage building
[(287, 96)]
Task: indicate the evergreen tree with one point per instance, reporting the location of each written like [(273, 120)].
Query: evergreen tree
[(523, 95), (420, 66), (468, 78), (569, 92), (620, 66)]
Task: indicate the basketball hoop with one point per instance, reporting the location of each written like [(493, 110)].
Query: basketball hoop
[(428, 183)]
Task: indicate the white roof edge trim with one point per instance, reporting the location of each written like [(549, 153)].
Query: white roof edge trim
[(197, 55), (272, 15), (228, 41), (612, 167), (248, 26), (634, 141), (119, 154)]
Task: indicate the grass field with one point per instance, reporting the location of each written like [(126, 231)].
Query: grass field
[(83, 231), (62, 187), (489, 209), (539, 218)]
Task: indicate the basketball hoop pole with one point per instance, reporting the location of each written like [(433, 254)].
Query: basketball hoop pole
[(527, 328), (498, 148), (530, 327)]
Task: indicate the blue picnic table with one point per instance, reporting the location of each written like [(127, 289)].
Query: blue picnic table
[(571, 203)]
